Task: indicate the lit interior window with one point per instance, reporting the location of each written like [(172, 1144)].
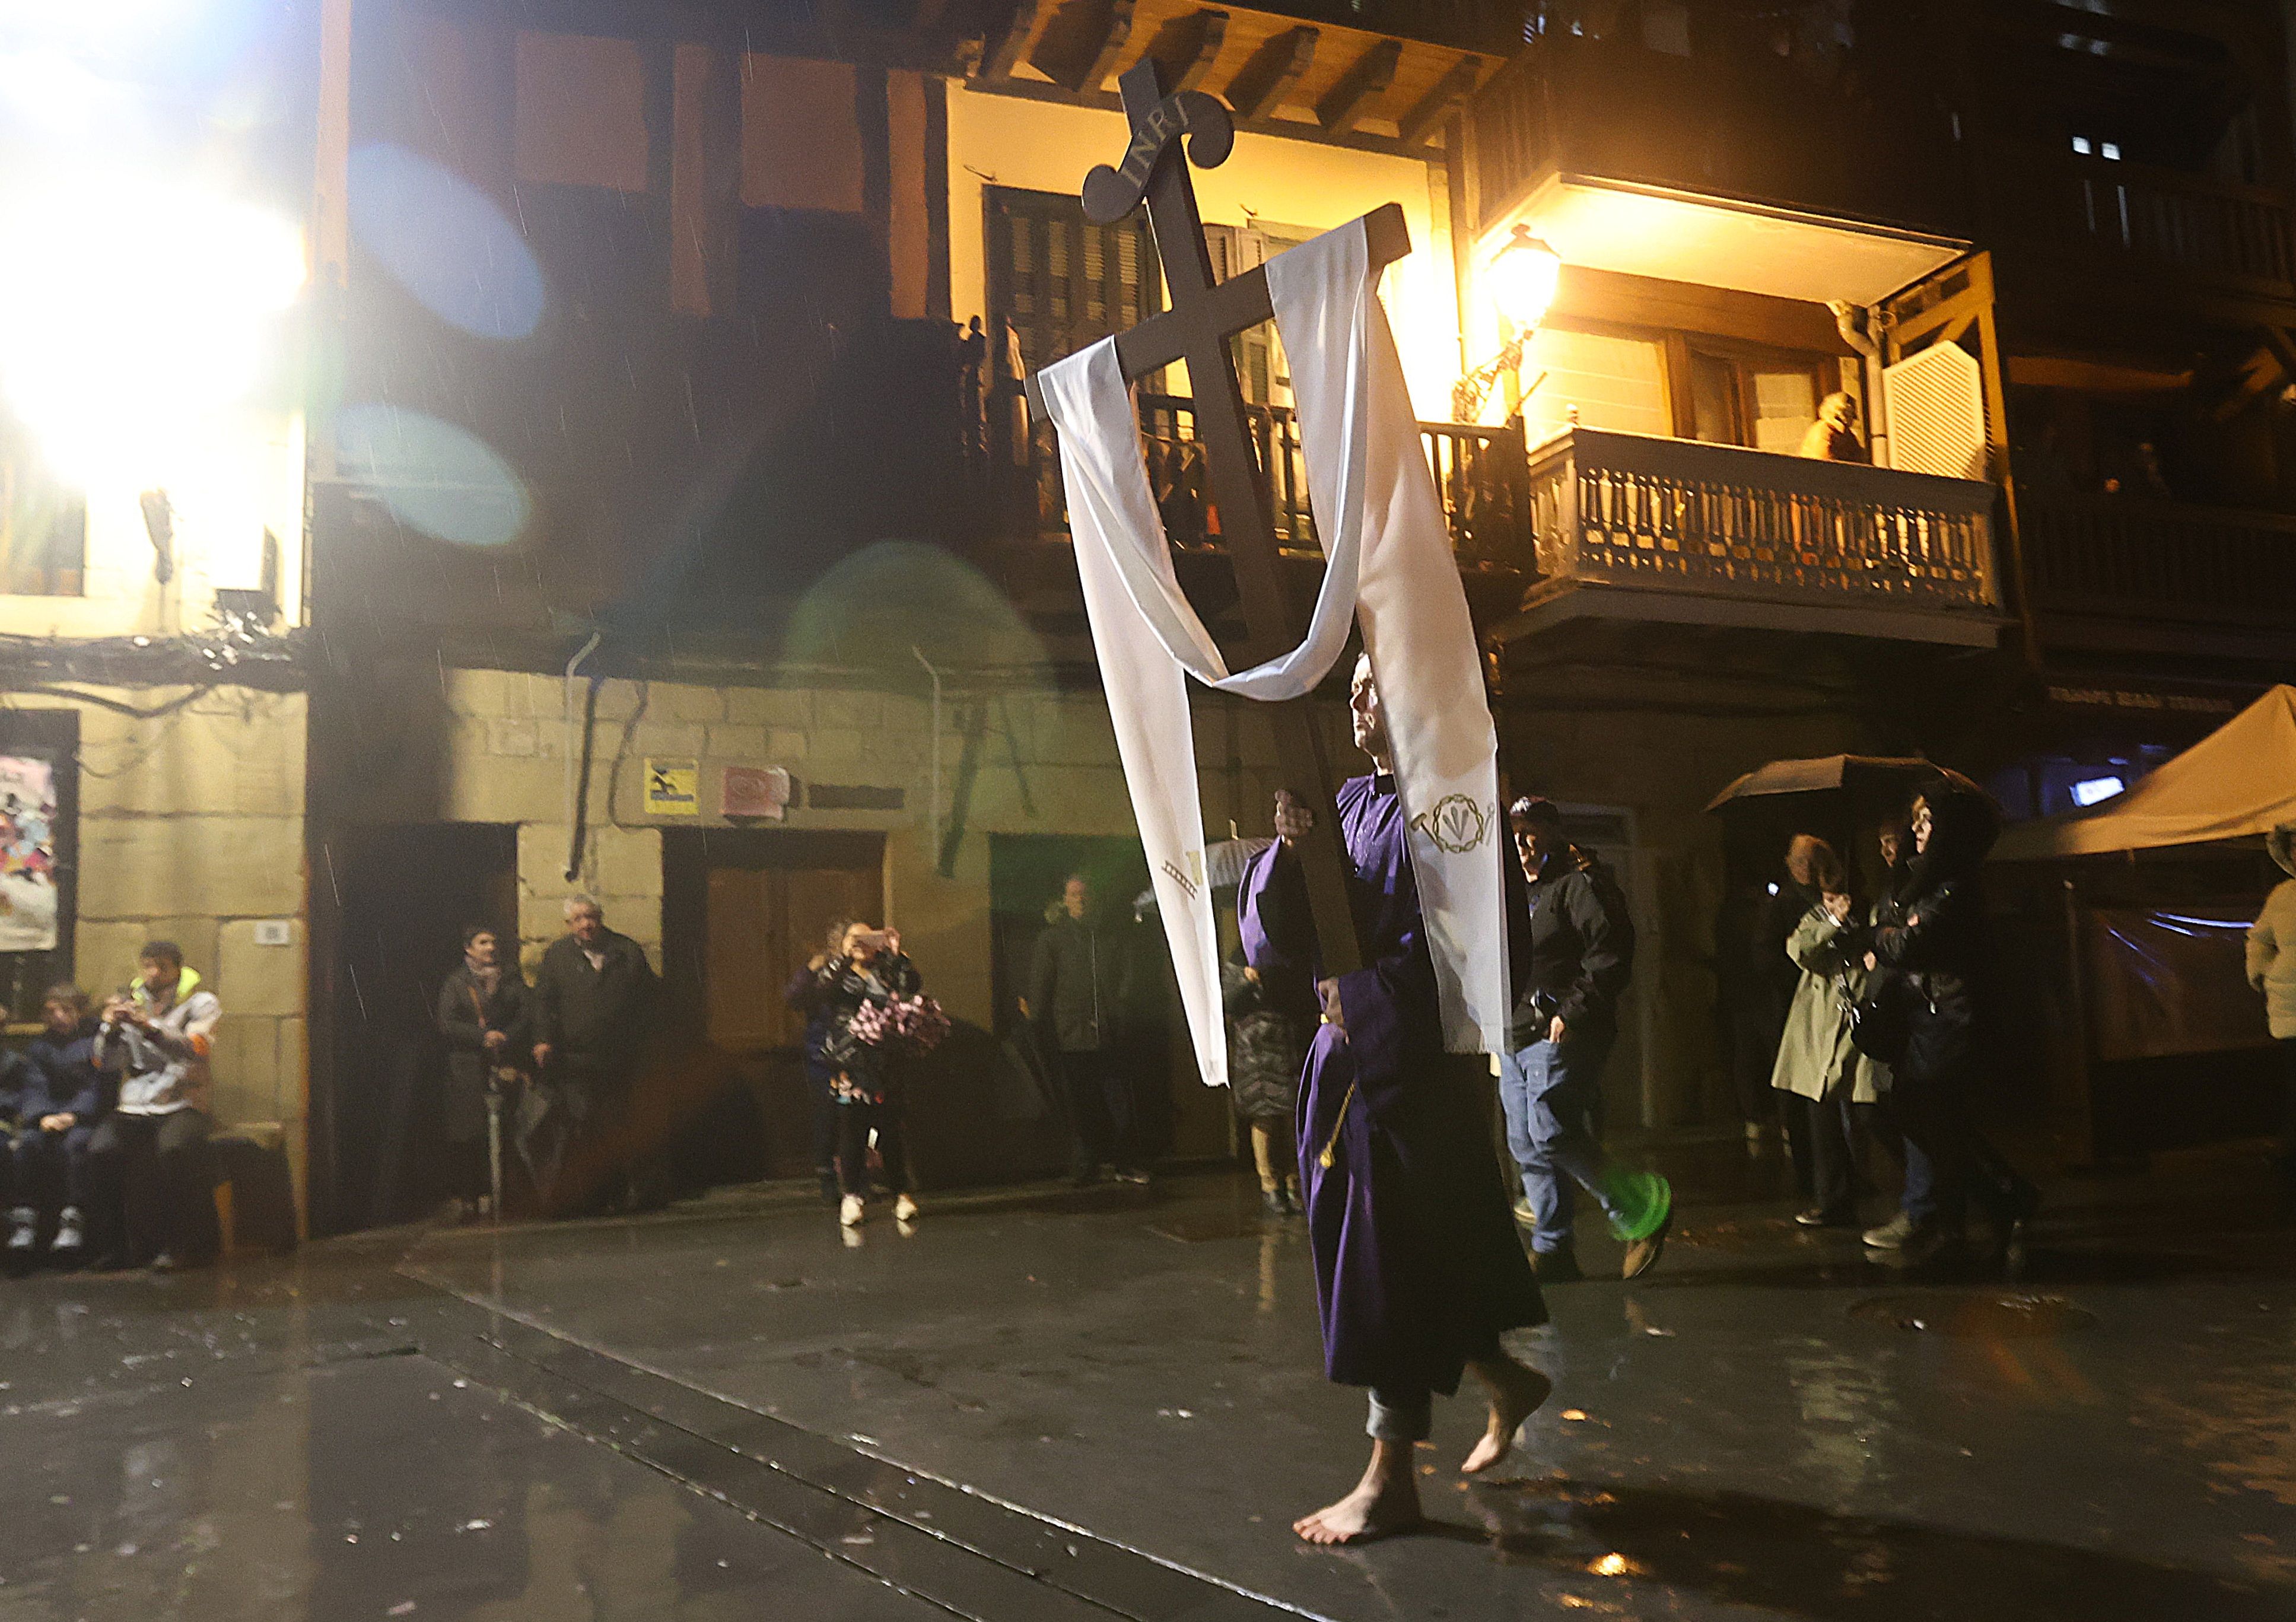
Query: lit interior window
[(2111, 149), (2081, 146), (2089, 791)]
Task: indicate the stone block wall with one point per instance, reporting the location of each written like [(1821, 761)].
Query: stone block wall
[(191, 830)]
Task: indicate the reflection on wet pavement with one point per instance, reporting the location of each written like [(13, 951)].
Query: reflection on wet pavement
[(1106, 1403)]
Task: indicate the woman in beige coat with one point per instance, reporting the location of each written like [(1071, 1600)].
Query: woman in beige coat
[(1816, 1059), (2272, 970)]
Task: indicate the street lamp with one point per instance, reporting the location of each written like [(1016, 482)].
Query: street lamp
[(1523, 276)]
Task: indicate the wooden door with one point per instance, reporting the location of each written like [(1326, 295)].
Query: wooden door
[(767, 902)]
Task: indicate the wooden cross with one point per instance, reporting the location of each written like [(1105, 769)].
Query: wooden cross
[(1204, 314)]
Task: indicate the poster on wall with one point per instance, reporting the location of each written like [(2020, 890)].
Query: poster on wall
[(28, 854)]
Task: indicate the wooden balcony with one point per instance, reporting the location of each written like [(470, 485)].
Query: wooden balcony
[(2090, 213), (1629, 527), (2111, 572), (1480, 473)]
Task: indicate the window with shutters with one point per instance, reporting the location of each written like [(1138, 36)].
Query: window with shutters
[(1061, 282)]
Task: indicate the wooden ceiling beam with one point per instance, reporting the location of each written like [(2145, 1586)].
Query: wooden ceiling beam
[(1003, 49), (1429, 112), (1188, 44), (1079, 46), (1366, 80), (1260, 84)]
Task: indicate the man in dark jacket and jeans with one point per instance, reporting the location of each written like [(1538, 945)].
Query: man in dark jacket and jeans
[(593, 1011), (1572, 948), (1076, 1001)]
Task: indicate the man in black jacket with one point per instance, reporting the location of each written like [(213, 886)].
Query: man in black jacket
[(1572, 948), (1076, 1001), (592, 1012)]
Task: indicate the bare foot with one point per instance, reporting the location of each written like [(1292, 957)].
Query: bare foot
[(1376, 1509), (1516, 1393)]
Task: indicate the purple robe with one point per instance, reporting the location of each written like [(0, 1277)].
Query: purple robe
[(1418, 1265)]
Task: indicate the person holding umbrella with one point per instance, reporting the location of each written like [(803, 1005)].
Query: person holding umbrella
[(482, 1013)]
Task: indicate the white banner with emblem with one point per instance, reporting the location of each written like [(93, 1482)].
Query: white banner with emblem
[(1388, 567)]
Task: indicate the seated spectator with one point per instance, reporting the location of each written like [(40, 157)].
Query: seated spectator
[(148, 1160), (59, 1099)]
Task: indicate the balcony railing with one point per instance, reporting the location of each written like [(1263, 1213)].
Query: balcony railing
[(2238, 236), (2112, 557), (1479, 472), (1680, 517)]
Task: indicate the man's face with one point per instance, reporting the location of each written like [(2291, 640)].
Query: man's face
[(586, 924), (1369, 721), (61, 1018), (482, 948), (1840, 412), (1923, 825), (1889, 843), (1077, 898), (1534, 842), (159, 977)]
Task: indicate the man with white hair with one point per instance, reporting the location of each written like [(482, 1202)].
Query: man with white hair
[(594, 1005)]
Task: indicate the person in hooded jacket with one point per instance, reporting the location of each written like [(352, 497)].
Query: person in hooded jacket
[(1934, 934), (58, 1099), (2272, 970)]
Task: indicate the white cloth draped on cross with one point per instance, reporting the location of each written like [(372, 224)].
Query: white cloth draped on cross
[(1388, 567)]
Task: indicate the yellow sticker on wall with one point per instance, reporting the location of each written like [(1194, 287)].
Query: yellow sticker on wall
[(673, 788)]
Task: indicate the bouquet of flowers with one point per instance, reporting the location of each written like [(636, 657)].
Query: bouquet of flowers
[(909, 1025)]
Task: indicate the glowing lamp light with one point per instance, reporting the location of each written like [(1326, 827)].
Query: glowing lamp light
[(2095, 791), (1523, 275)]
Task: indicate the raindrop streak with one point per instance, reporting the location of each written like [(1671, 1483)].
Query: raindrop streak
[(433, 476), (445, 241)]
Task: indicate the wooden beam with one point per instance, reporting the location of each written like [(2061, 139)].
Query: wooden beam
[(1188, 44), (1429, 111), (1077, 48), (1002, 54), (1366, 80), (1274, 69)]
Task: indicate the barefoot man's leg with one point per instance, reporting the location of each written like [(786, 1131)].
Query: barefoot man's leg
[(1387, 1499), (1516, 1392)]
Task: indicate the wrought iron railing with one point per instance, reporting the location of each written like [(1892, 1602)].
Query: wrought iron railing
[(2114, 557), (1480, 474), (1676, 514)]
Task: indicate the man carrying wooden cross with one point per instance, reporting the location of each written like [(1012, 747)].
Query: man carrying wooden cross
[(1389, 911)]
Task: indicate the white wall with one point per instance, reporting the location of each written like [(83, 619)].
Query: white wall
[(1041, 146)]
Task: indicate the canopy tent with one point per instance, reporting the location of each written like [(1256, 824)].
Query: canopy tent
[(2238, 781)]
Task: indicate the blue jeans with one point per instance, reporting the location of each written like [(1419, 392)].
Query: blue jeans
[(1552, 1095)]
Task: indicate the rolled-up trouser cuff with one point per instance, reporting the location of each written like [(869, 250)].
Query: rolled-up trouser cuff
[(1401, 1416)]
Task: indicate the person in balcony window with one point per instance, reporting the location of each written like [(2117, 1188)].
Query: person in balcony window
[(2272, 970), (1833, 436)]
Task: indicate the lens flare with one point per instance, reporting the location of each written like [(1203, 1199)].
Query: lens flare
[(445, 241), (433, 476)]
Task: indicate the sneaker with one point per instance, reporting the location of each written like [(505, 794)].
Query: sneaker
[(1132, 1174), (26, 1232), (1892, 1234), (1273, 1201), (848, 1213), (165, 1262), (1817, 1216), (71, 1232), (1292, 1205), (1643, 1254), (904, 1210), (1556, 1267)]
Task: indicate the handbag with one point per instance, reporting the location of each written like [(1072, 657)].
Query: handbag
[(1882, 1015)]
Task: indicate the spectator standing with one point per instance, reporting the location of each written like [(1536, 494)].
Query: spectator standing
[(1816, 1059), (1076, 1001), (1267, 1049), (1573, 952), (1933, 933), (59, 1096), (807, 995), (147, 1160), (2272, 970), (864, 1072), (483, 1015), (592, 1012)]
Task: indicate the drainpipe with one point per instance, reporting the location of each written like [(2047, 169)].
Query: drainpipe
[(932, 808), (577, 760), (1857, 324)]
